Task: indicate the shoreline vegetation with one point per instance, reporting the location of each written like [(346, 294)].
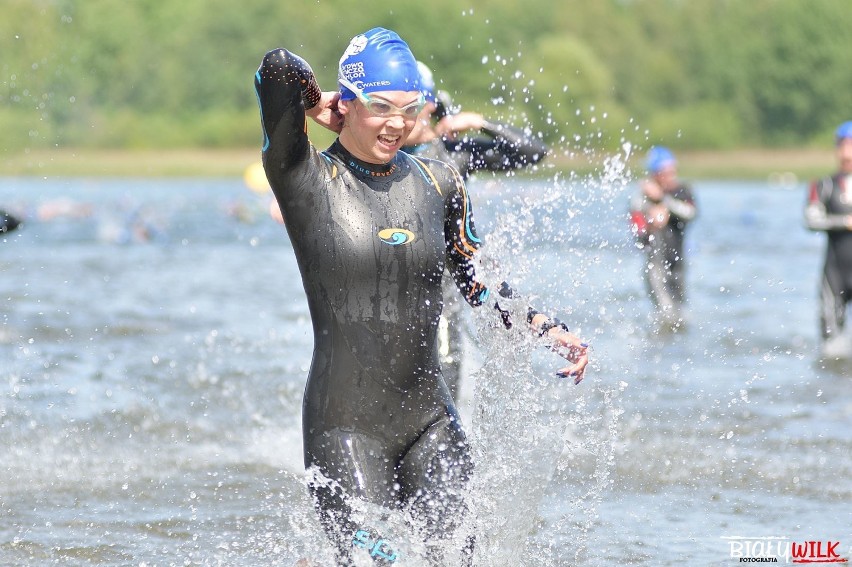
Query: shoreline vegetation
[(779, 166)]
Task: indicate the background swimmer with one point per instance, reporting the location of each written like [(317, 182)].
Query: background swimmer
[(660, 213), (829, 210)]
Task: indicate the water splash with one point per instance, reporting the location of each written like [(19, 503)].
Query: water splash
[(528, 425)]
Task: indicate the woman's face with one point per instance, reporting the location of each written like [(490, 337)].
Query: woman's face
[(667, 177), (373, 138)]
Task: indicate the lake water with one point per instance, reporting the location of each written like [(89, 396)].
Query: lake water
[(154, 343)]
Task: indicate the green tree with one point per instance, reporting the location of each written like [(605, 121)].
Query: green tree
[(698, 73)]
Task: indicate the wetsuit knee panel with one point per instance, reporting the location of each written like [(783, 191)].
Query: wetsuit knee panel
[(356, 463), (439, 460)]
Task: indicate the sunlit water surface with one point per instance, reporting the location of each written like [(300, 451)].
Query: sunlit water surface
[(154, 343)]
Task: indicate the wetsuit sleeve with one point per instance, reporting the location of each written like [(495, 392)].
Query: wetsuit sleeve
[(462, 242), (285, 87), (462, 245), (681, 204), (817, 217), (506, 148)]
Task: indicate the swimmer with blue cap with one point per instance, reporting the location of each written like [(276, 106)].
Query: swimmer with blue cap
[(378, 78), (829, 210), (660, 213), (658, 159), (373, 230)]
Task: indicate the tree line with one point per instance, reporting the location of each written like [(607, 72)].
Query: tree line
[(687, 73)]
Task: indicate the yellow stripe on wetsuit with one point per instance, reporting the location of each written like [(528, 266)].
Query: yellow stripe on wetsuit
[(469, 242)]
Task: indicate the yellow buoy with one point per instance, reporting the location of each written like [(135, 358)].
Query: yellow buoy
[(255, 178)]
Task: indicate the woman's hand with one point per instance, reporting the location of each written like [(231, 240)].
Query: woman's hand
[(652, 190), (571, 348), (658, 217), (325, 112), (452, 124), (565, 343)]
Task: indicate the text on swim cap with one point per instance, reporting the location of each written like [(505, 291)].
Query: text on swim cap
[(363, 86), (353, 70)]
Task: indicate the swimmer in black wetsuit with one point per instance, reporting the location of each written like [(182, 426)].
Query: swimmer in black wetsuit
[(471, 143), (660, 213), (373, 229), (829, 210)]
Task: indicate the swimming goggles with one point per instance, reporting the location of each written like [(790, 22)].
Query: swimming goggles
[(382, 108)]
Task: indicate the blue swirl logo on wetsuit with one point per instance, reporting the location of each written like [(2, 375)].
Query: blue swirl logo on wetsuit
[(396, 236), (376, 547)]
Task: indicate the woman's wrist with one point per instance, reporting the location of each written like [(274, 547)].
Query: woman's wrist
[(549, 324)]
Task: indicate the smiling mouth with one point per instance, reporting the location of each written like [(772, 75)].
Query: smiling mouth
[(389, 140)]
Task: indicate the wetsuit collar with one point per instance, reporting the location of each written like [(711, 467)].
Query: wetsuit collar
[(362, 168)]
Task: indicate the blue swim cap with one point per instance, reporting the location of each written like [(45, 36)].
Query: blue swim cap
[(427, 82), (377, 60), (659, 157), (843, 131)]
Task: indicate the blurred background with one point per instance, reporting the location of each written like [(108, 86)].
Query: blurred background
[(695, 75)]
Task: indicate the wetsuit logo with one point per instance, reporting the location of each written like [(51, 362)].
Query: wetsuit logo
[(378, 548), (356, 45), (396, 236)]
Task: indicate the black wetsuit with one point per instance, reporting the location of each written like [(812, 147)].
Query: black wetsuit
[(828, 208), (8, 223), (664, 249), (372, 243), (501, 148)]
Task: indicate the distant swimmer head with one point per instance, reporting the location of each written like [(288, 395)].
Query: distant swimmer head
[(844, 132), (427, 82), (442, 99), (444, 104), (659, 158), (377, 60)]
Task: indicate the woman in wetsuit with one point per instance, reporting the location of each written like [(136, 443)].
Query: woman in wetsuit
[(372, 229)]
